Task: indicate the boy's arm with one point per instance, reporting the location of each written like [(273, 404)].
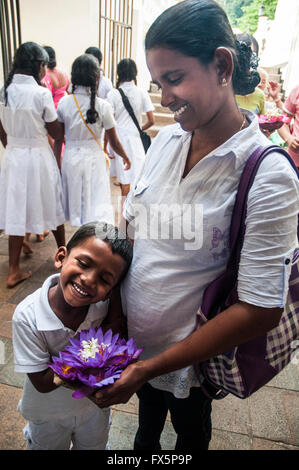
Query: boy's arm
[(43, 381)]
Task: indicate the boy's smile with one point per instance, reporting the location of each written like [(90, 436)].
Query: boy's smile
[(88, 272)]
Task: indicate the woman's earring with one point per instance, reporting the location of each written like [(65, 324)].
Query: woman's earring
[(224, 82)]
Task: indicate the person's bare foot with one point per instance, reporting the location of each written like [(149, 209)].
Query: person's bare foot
[(14, 279), (27, 250), (40, 238)]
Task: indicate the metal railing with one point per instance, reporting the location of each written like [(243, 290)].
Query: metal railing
[(10, 31), (116, 18)]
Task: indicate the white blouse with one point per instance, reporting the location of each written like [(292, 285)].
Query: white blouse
[(139, 100), (75, 128), (182, 237)]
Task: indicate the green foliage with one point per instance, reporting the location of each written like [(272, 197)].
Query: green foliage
[(244, 14)]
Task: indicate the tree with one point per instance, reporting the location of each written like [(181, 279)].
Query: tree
[(244, 14), (249, 19)]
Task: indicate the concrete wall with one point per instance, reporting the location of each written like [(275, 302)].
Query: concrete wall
[(145, 12), (69, 26), (282, 43)]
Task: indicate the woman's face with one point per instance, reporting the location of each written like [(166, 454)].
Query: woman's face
[(192, 91)]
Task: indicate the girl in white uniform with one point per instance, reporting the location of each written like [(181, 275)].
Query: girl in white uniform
[(85, 167), (126, 129), (30, 183)]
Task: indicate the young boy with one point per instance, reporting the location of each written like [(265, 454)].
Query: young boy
[(94, 261)]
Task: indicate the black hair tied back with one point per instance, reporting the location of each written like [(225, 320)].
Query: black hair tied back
[(245, 76), (85, 72)]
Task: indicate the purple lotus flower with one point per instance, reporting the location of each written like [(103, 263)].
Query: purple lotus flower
[(95, 359)]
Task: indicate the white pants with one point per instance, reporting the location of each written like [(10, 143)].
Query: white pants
[(85, 432)]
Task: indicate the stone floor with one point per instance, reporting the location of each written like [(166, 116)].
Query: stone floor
[(269, 420)]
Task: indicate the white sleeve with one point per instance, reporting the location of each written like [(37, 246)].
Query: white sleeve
[(60, 113), (49, 111), (107, 115), (30, 353), (271, 234), (147, 104)]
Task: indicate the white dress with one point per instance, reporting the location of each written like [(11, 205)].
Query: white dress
[(30, 183), (85, 172), (127, 131)]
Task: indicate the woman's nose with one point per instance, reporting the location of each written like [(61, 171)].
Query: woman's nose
[(166, 97)]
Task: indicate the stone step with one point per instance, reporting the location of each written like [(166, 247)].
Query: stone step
[(155, 97), (163, 119)]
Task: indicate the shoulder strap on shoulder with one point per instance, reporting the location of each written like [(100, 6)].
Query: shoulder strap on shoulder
[(237, 229), (129, 108)]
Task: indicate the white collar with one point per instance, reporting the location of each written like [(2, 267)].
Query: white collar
[(237, 146), (24, 79), (130, 84), (82, 90), (46, 320)]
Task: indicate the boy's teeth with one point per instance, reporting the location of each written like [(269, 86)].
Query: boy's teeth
[(79, 290)]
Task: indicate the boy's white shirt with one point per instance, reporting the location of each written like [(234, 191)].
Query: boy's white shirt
[(37, 335)]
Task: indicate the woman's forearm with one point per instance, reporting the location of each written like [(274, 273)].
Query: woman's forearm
[(238, 324), (150, 121)]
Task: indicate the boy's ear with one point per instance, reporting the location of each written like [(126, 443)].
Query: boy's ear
[(60, 257)]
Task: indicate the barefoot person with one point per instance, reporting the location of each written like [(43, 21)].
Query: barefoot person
[(30, 182)]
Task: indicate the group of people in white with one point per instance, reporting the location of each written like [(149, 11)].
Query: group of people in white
[(79, 121)]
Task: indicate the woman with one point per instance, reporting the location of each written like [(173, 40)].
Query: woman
[(56, 80), (196, 164), (30, 183), (126, 129)]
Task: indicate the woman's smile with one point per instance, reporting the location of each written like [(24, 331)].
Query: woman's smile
[(179, 112)]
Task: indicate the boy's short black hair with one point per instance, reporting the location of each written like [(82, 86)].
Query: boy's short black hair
[(108, 233)]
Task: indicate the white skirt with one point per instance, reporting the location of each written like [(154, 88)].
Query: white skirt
[(86, 185), (31, 198), (133, 147)]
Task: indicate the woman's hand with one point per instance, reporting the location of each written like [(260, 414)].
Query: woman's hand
[(132, 378), (293, 143)]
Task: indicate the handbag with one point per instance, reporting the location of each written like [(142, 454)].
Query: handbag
[(91, 131), (249, 366), (145, 138)]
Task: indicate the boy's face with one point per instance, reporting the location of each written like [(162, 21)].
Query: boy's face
[(89, 272)]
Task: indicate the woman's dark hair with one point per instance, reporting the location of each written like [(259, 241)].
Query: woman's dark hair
[(115, 238), (196, 28), (52, 57), (85, 72), (27, 59), (95, 51), (250, 40), (126, 71)]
